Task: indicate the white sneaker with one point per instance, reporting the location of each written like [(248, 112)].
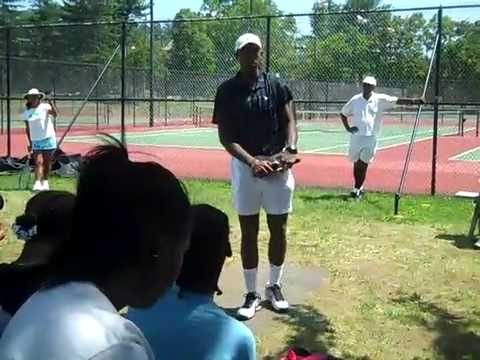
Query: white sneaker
[(274, 295), (45, 185), (250, 306), (37, 186), (477, 244)]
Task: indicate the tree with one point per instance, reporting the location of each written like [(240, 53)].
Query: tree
[(284, 56), (130, 9), (9, 10), (192, 50), (98, 41), (46, 12), (323, 24), (45, 42), (362, 4)]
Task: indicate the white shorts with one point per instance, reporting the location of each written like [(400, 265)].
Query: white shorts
[(273, 193), (362, 148)]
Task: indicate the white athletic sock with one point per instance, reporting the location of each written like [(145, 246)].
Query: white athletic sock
[(276, 273), (45, 185), (250, 276)]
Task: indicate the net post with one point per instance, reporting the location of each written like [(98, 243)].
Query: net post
[(97, 119), (459, 124), (396, 203), (477, 122)]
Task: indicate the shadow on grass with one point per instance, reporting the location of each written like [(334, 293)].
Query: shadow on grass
[(309, 329), (459, 241), (324, 197), (455, 339)]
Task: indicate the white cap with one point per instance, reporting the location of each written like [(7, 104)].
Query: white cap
[(370, 80), (34, 92), (245, 39)]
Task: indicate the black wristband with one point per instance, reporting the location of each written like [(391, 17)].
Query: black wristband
[(291, 150)]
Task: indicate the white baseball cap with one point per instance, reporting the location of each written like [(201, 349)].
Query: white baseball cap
[(370, 80), (246, 39), (34, 92)]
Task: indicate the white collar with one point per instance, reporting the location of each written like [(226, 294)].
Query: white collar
[(90, 292)]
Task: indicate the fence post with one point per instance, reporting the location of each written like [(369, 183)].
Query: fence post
[(134, 84), (97, 120), (165, 97), (436, 102), (124, 49), (1, 101), (268, 44), (9, 111), (477, 123), (151, 122)]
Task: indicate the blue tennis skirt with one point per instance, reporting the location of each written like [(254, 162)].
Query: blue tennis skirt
[(44, 144)]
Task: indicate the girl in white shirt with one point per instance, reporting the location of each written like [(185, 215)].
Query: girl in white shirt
[(41, 135)]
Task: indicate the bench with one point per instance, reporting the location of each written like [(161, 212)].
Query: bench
[(475, 197)]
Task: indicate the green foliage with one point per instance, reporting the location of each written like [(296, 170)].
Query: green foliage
[(192, 49), (9, 11), (338, 48)]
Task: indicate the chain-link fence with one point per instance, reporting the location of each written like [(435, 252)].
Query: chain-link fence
[(166, 74)]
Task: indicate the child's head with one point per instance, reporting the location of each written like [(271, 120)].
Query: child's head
[(45, 225), (209, 247), (33, 98), (130, 228)]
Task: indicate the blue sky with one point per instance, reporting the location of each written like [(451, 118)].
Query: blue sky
[(166, 9)]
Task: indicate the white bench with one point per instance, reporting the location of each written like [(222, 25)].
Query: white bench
[(475, 197)]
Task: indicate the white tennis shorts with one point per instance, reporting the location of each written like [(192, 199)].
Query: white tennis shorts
[(362, 148), (273, 193)]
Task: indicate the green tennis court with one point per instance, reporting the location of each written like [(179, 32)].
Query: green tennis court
[(318, 141)]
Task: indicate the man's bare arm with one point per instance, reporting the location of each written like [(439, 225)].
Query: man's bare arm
[(411, 101)]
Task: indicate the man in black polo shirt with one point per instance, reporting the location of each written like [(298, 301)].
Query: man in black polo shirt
[(256, 126)]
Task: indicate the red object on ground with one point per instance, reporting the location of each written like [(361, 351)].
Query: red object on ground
[(294, 354)]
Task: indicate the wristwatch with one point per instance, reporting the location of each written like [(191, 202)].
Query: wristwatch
[(292, 149)]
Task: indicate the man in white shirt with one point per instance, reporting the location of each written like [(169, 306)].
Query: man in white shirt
[(366, 110)]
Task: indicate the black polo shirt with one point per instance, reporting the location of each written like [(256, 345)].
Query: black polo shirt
[(251, 116)]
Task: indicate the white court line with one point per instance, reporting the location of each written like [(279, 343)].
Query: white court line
[(201, 147), (92, 139), (458, 156), (386, 147), (147, 134), (347, 144)]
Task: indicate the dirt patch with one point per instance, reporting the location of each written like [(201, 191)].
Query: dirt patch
[(299, 285)]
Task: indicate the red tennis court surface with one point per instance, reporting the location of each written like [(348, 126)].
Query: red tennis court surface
[(326, 171)]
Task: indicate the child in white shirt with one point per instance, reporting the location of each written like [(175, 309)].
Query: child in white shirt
[(41, 135)]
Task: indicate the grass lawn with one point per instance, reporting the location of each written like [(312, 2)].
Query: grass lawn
[(399, 287)]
